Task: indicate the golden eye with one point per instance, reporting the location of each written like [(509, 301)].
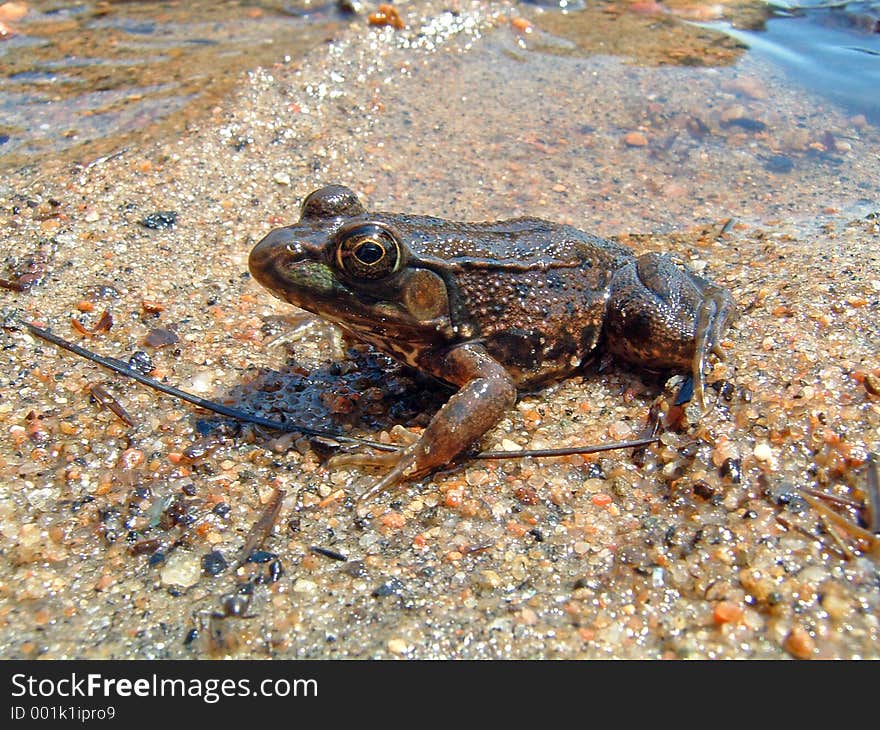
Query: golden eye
[(367, 251)]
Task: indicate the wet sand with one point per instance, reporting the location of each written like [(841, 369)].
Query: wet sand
[(704, 546)]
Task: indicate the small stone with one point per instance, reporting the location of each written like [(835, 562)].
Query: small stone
[(635, 139), (397, 646), (527, 617), (282, 178), (747, 86), (763, 452), (736, 111), (620, 430), (182, 568), (488, 579), (727, 612), (392, 586), (214, 563), (799, 643), (837, 607), (581, 547), (29, 534), (304, 585), (160, 220)]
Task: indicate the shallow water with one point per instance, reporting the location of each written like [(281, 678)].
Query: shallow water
[(83, 79), (80, 80), (834, 50)]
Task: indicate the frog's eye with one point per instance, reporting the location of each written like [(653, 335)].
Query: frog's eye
[(367, 251)]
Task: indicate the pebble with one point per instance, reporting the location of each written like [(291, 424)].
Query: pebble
[(281, 178), (799, 643), (397, 646), (181, 568), (29, 535), (836, 606), (304, 585), (635, 139), (488, 579)]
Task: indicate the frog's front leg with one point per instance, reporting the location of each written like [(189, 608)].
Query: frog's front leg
[(486, 392)]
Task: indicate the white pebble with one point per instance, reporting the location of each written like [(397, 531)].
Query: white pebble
[(763, 452), (181, 569)]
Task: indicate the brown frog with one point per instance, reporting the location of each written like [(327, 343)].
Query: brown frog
[(487, 307)]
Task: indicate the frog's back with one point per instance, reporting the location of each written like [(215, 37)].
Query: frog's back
[(517, 241), (532, 291)]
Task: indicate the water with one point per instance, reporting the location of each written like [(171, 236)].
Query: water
[(830, 48), (84, 79)]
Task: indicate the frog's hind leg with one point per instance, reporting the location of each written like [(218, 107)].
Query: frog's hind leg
[(662, 315), (712, 317)]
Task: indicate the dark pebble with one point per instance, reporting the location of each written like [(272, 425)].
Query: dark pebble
[(214, 563), (747, 123), (276, 570), (160, 220), (222, 510), (391, 587), (140, 362), (327, 553), (161, 337), (234, 604), (732, 469), (701, 489), (261, 556), (685, 392)]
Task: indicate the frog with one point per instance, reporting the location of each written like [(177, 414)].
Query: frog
[(491, 308)]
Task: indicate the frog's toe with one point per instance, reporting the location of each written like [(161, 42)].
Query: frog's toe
[(398, 473), (385, 459)]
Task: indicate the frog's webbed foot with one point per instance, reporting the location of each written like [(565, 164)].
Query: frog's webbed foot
[(395, 461), (712, 317), (383, 459)]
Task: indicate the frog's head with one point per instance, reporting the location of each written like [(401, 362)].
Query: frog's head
[(354, 271)]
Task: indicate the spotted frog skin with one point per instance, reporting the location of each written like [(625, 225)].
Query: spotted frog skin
[(487, 307)]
